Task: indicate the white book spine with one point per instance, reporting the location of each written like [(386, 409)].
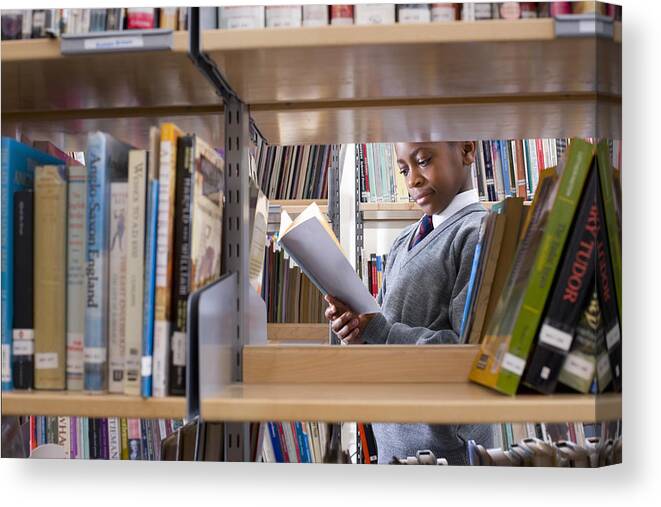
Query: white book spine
[(419, 13), (64, 435), (114, 438), (241, 17), (268, 454), (26, 29), (283, 16), (76, 248), (442, 12), (117, 288), (315, 15), (289, 441), (135, 277), (374, 14)]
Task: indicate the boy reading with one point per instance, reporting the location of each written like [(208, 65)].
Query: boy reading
[(424, 285)]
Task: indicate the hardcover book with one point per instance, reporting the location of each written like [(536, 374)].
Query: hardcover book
[(107, 160), (18, 162), (76, 249), (50, 247)]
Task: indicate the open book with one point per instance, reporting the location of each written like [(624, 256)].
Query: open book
[(311, 243)]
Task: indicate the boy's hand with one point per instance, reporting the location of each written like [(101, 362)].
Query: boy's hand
[(346, 323)]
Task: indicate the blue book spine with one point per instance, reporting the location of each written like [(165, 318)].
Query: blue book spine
[(505, 166), (150, 290), (96, 308), (275, 441), (471, 287), (302, 444), (18, 163)]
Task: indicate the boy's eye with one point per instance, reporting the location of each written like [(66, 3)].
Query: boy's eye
[(424, 162), (403, 170)]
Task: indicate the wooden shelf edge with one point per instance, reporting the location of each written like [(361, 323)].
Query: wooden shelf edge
[(403, 403), (64, 403), (458, 31), (49, 49)]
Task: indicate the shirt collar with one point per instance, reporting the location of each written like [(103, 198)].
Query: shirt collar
[(459, 202)]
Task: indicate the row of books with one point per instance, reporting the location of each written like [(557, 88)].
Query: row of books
[(98, 261), (40, 23), (295, 442), (544, 297), (289, 294), (111, 438), (293, 172), (502, 168)]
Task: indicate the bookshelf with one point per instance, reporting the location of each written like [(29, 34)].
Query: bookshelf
[(328, 85), (308, 333), (356, 383), (71, 403)]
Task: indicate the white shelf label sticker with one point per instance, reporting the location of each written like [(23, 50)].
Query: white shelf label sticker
[(95, 355), (613, 336), (113, 43), (46, 360), (546, 371), (6, 362), (603, 366), (23, 347), (587, 26), (146, 366), (513, 364), (582, 368), (179, 348), (23, 334), (555, 337)]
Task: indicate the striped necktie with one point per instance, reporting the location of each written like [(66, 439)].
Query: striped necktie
[(426, 226)]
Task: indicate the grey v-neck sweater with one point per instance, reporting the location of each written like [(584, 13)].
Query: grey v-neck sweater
[(422, 302)]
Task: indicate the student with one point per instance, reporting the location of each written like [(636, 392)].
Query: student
[(424, 285)]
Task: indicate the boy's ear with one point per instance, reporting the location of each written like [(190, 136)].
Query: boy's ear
[(468, 152)]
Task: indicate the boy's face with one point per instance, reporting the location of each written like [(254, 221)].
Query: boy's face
[(435, 172)]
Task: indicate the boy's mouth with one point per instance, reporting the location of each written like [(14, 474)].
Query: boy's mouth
[(423, 197)]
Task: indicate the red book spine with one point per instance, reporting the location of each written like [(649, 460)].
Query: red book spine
[(560, 8), (140, 19), (341, 11), (541, 163), (521, 190), (292, 425), (283, 443), (363, 444)]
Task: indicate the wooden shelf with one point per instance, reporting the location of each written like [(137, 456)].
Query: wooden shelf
[(403, 403), (68, 403), (342, 84), (308, 333), (61, 98)]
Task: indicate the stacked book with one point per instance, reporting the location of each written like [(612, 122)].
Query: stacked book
[(544, 299), (372, 271), (289, 294), (99, 260), (111, 438)]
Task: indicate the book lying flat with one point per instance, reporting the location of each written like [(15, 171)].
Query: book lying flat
[(311, 243)]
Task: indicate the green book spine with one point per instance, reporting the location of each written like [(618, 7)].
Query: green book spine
[(612, 225), (547, 259)]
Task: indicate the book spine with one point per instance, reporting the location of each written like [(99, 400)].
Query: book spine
[(134, 439), (413, 13), (96, 310), (573, 288), (181, 264), (145, 443), (341, 14), (488, 171), (374, 14), (85, 437), (297, 429), (315, 15), (164, 260), (114, 443), (135, 270), (140, 18), (73, 438), (283, 442), (50, 280), (150, 290), (104, 443), (283, 16), (546, 261), (124, 438), (7, 275), (63, 435), (92, 432), (23, 326), (76, 212), (241, 17), (612, 224), (117, 286), (608, 303)]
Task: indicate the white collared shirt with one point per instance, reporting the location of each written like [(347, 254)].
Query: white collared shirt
[(459, 202)]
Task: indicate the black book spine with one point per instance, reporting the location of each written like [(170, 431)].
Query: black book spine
[(360, 163), (181, 265), (488, 171), (571, 293), (103, 438), (371, 444), (608, 303), (23, 325), (94, 438), (143, 439)]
